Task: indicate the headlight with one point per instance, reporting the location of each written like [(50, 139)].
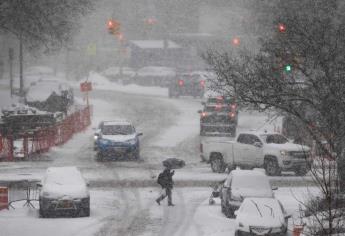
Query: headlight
[(132, 141), (284, 153), (95, 137)]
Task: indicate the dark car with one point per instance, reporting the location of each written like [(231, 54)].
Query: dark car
[(219, 118), (116, 139), (64, 192), (187, 85)]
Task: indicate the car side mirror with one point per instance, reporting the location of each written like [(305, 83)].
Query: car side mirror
[(140, 134), (258, 144), (287, 216), (39, 185), (274, 188)]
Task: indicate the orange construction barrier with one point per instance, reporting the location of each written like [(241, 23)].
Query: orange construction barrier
[(3, 198)]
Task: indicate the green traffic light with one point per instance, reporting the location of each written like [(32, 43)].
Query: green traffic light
[(288, 68)]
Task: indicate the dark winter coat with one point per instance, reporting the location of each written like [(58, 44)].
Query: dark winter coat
[(166, 179)]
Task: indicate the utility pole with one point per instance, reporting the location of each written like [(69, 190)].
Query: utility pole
[(21, 83), (10, 57)]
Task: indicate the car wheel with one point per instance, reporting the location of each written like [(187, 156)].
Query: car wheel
[(42, 213), (302, 171), (272, 167), (217, 165), (84, 212)]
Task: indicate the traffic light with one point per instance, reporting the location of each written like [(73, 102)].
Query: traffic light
[(287, 68), (282, 28), (113, 26), (236, 41)]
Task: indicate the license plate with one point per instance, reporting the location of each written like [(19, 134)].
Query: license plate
[(65, 204)]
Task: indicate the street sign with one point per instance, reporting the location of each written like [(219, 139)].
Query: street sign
[(91, 49), (85, 86)]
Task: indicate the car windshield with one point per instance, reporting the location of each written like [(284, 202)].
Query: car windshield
[(274, 138), (117, 129), (251, 182)]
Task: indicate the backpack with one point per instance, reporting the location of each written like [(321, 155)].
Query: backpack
[(160, 179)]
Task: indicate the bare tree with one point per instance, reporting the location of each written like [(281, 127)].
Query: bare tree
[(299, 71), (37, 24)]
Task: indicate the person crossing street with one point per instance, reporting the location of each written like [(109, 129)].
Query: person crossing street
[(166, 182)]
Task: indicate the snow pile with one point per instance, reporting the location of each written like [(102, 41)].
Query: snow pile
[(115, 71), (20, 109), (39, 70), (156, 71), (100, 82), (42, 89)]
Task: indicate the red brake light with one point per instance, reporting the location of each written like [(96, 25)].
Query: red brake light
[(181, 82), (218, 107), (232, 115), (220, 98), (233, 106), (203, 114)]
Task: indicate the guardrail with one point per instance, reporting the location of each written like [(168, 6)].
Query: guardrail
[(41, 140)]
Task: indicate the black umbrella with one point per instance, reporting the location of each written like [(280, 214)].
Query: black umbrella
[(174, 163)]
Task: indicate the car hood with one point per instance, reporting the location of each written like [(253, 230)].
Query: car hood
[(266, 220), (119, 138), (250, 192), (59, 191), (288, 147)]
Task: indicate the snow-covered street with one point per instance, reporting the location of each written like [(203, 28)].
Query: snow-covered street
[(123, 192)]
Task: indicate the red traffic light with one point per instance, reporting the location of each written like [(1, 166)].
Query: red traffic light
[(236, 41), (282, 28), (113, 26)]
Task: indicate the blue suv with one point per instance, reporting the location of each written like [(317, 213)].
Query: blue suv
[(117, 139)]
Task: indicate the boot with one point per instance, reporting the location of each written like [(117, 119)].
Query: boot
[(158, 201)]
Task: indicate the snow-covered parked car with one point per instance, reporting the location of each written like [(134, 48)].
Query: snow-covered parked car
[(271, 151), (124, 74), (117, 138), (261, 216), (241, 184), (64, 192)]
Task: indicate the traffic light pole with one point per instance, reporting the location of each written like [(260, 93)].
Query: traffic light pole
[(10, 57)]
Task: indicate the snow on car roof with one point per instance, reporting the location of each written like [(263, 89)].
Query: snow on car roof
[(145, 44), (64, 175), (117, 122)]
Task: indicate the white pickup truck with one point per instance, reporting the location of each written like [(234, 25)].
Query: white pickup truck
[(271, 151)]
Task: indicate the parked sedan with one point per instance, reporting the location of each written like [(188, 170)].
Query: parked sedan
[(261, 216), (64, 192)]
